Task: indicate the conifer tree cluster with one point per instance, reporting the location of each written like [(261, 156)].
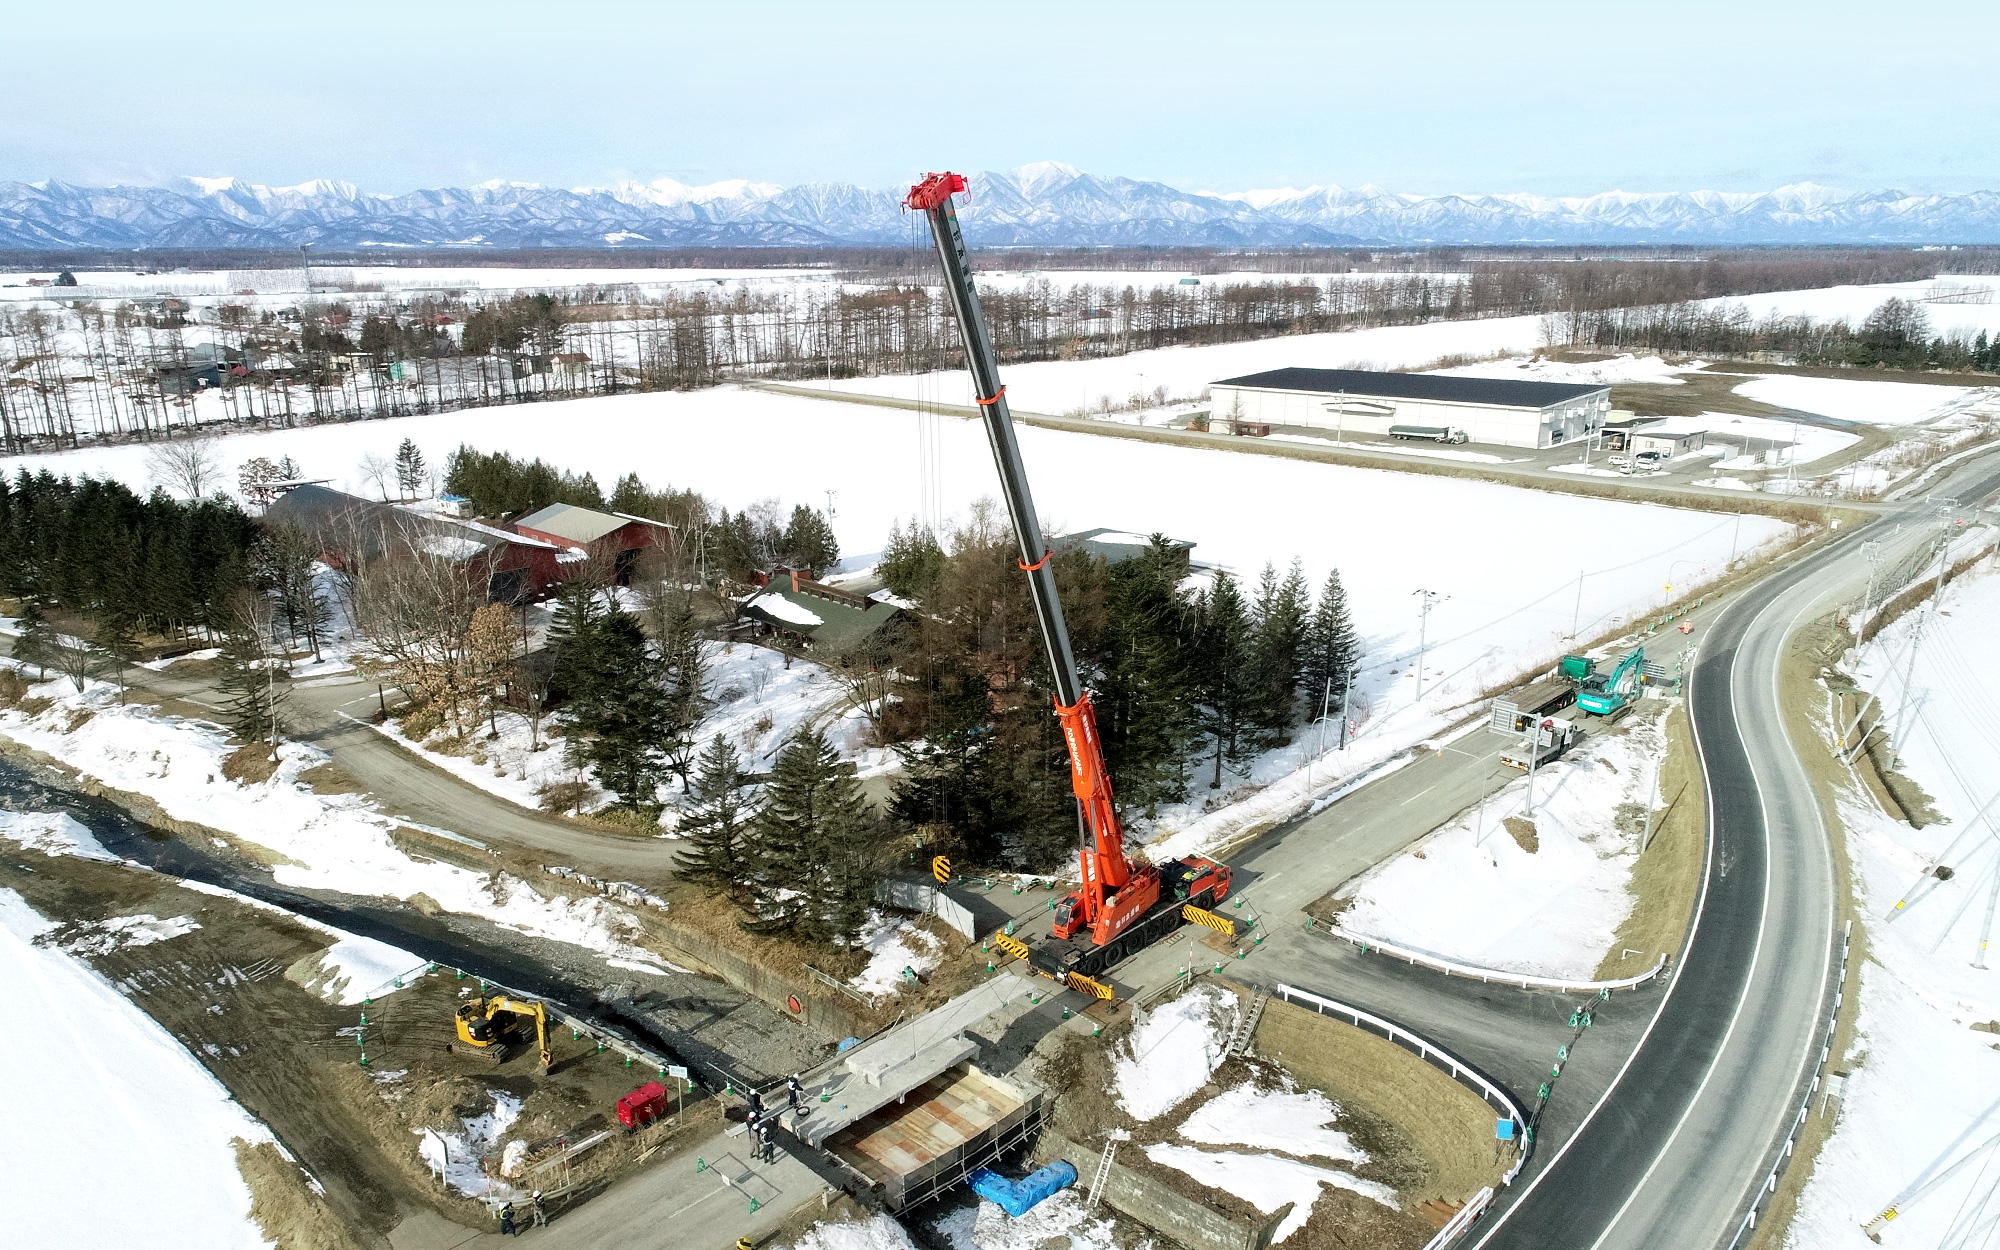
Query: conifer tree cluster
[(155, 565), (1190, 677), (803, 859)]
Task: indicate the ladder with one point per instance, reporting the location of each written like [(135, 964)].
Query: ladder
[(1246, 1025), (1103, 1170)]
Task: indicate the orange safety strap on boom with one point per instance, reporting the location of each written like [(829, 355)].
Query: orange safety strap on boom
[(994, 398), (1029, 568)]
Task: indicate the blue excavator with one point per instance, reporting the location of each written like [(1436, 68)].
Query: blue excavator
[(1607, 694)]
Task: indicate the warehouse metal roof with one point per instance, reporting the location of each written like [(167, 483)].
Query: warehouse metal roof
[(1501, 392)]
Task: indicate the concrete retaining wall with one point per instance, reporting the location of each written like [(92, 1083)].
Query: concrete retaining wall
[(1191, 1223), (823, 1011)]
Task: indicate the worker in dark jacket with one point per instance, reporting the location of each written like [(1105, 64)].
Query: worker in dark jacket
[(507, 1219)]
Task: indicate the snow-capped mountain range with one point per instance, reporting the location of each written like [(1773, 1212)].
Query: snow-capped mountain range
[(1045, 204)]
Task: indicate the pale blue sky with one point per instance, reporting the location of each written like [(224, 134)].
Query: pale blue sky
[(1556, 99)]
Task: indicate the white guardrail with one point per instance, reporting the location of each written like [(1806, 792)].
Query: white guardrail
[(1455, 1227), (1491, 975), (1770, 1185), (1430, 1052)]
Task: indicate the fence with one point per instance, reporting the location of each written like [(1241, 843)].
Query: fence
[(1455, 1227), (1489, 1092), (1489, 975), (1770, 1185)]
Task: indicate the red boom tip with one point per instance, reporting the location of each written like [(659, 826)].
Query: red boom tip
[(934, 190)]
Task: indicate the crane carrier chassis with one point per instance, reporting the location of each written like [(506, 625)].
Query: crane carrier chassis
[(1057, 958)]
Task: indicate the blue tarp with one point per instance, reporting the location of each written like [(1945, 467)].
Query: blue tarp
[(1016, 1197)]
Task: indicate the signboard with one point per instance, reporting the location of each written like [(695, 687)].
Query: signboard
[(677, 1072), (792, 1001), (941, 869)]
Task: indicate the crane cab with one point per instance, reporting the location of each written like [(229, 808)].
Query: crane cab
[(1196, 876)]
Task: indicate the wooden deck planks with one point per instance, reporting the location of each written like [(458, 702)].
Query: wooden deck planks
[(935, 1119)]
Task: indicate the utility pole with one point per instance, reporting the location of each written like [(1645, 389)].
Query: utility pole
[(1873, 550), (1346, 691), (1428, 598), (1909, 694), (1576, 612)]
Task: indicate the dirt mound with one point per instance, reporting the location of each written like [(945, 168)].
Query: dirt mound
[(1523, 831)]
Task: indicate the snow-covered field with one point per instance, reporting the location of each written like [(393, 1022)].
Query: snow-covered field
[(1616, 370), (1877, 403), (1926, 1092), (113, 1135), (1065, 386), (1853, 303), (1474, 894)]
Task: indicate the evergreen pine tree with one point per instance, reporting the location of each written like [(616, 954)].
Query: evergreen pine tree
[(717, 821), (36, 643), (618, 710), (410, 469), (1227, 693), (1143, 694), (1281, 614), (954, 786), (811, 871), (1331, 648), (808, 540), (681, 671), (912, 562)]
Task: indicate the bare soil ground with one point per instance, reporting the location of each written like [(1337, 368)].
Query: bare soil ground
[(293, 1060)]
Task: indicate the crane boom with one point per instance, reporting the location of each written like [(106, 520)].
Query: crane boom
[(1114, 893)]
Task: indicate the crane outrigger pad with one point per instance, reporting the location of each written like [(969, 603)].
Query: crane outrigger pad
[(1012, 945), (1084, 985), (1202, 916)]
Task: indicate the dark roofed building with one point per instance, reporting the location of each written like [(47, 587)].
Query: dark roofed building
[(1512, 412), (353, 532), (1118, 546)]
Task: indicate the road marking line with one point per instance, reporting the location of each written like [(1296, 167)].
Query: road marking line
[(1419, 794)]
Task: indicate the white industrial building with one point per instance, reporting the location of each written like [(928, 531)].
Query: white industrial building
[(1506, 411)]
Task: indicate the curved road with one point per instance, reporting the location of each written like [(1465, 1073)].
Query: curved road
[(1672, 1154)]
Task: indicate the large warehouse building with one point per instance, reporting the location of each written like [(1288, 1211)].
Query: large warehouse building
[(1506, 411)]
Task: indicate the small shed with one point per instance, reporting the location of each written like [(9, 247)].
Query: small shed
[(1669, 438)]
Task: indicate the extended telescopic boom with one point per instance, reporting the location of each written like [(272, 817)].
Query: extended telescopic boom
[(1105, 870)]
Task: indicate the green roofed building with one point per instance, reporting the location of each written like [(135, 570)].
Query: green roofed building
[(825, 618)]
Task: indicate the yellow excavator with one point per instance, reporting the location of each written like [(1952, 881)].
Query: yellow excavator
[(484, 1023)]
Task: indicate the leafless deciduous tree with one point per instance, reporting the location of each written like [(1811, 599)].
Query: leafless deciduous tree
[(380, 471), (187, 466)]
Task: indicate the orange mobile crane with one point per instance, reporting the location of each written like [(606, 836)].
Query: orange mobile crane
[(1123, 906)]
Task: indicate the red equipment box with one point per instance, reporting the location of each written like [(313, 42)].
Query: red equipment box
[(643, 1104)]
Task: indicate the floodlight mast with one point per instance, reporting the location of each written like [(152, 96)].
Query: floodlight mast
[(1114, 892)]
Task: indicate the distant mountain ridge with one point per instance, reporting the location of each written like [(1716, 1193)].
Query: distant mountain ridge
[(1044, 205)]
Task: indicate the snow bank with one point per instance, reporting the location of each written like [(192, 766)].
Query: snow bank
[(893, 944), (98, 1093), (877, 1232), (1926, 1090), (358, 968), (460, 1157), (1473, 894), (1170, 1055), (1064, 1215), (785, 610), (1878, 403), (1284, 1120), (1267, 1182), (52, 833), (120, 931)]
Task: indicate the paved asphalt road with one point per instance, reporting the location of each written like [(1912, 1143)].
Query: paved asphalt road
[(1673, 1153)]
